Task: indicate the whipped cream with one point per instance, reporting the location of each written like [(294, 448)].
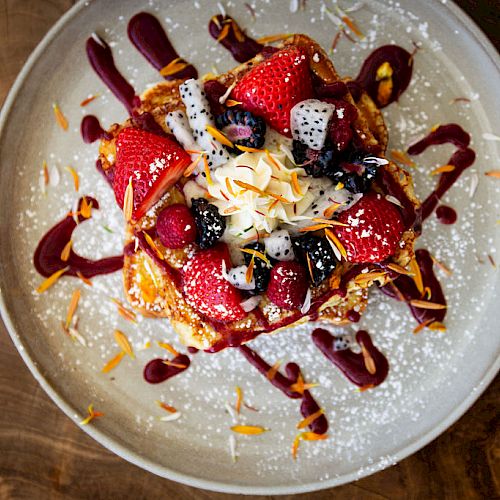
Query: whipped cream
[(260, 191)]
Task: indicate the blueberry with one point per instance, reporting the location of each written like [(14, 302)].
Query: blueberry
[(261, 272), (321, 256), (242, 128), (210, 224)]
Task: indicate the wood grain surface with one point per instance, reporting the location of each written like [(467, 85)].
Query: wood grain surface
[(45, 455)]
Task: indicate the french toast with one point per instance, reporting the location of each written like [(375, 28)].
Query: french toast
[(153, 273)]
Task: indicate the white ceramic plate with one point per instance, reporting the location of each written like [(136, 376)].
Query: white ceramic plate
[(434, 377)]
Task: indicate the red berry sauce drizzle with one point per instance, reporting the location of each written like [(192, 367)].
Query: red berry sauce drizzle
[(92, 130), (285, 383), (403, 288), (158, 370), (47, 258), (225, 30), (461, 159), (401, 63), (355, 366), (150, 39), (446, 215)]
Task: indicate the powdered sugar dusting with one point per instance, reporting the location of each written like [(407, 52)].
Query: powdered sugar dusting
[(365, 427)]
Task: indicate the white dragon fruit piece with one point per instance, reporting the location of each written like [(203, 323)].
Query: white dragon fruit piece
[(310, 121), (279, 245), (199, 116), (178, 124), (342, 342), (237, 277)]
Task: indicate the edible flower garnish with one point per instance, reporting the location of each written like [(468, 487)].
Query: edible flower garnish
[(75, 298), (51, 280), (424, 304), (88, 100), (91, 415), (443, 169), (249, 430), (66, 251), (128, 201), (113, 362), (124, 312), (76, 179), (402, 157), (60, 118), (173, 67), (123, 342)]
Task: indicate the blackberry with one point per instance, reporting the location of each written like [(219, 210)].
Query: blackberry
[(242, 128), (210, 224), (358, 173), (315, 163), (261, 272), (321, 256)]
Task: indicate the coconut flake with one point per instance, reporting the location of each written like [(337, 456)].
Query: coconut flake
[(222, 9), (307, 302), (232, 448), (251, 303), (394, 200), (171, 417), (225, 95), (231, 412), (294, 6), (474, 181), (487, 136), (54, 176), (376, 160)]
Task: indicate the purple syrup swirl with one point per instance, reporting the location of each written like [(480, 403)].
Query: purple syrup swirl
[(150, 39), (284, 383), (446, 215), (101, 59), (461, 159), (47, 258), (401, 63), (352, 364), (404, 288), (92, 130), (241, 46), (157, 371)]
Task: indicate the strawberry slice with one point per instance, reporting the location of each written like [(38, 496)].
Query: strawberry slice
[(154, 163), (273, 87), (205, 288), (374, 231)]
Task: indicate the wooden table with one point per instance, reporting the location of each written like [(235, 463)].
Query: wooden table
[(43, 454)]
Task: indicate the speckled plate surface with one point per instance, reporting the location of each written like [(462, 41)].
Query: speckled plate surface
[(434, 376)]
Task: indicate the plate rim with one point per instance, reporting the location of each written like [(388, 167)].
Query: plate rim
[(190, 480)]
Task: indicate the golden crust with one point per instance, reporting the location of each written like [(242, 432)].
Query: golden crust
[(152, 292)]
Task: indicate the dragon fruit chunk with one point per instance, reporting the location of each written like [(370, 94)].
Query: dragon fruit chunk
[(310, 121), (237, 277), (279, 245), (178, 124), (199, 116)]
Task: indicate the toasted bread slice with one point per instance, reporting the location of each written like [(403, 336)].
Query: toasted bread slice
[(153, 291)]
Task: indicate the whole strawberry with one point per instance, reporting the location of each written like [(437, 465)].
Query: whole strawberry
[(288, 285), (153, 163), (206, 289), (175, 226), (273, 87), (374, 229)]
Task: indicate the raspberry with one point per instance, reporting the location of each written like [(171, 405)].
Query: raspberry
[(175, 226), (288, 285)]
